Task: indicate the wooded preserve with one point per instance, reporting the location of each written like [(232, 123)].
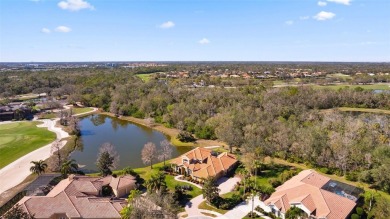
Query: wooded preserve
[(286, 122)]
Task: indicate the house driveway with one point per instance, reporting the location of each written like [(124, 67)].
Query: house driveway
[(225, 185), (243, 209)]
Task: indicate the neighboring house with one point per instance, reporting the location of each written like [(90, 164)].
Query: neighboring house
[(17, 111), (201, 163), (317, 195), (81, 197)]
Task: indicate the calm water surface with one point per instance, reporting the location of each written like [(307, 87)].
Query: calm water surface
[(128, 139)]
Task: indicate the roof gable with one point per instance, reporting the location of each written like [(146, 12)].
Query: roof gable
[(305, 188)]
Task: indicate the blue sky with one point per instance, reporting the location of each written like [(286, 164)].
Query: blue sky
[(194, 30)]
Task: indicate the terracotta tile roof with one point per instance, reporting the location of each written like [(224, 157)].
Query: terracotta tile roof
[(95, 208), (309, 203), (77, 198), (121, 182), (45, 207), (315, 179), (209, 165), (340, 206), (305, 188), (198, 153)]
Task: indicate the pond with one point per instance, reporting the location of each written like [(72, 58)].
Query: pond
[(128, 139)]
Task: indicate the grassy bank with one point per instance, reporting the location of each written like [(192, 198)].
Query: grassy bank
[(170, 132), (364, 110), (365, 86), (145, 77), (20, 138), (78, 110)]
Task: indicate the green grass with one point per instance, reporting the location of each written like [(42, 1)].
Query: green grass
[(205, 206), (25, 97), (175, 141), (278, 82), (145, 77), (171, 183), (364, 110), (78, 110), (19, 139), (146, 173), (343, 86), (48, 116)]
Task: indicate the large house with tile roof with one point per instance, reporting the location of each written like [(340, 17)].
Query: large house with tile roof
[(201, 163), (317, 195), (81, 197)]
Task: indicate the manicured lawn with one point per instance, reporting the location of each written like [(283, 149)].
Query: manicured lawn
[(171, 183), (78, 110), (205, 206), (364, 110), (178, 143), (146, 173), (145, 77), (18, 139)]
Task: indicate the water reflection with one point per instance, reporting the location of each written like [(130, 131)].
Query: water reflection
[(128, 139)]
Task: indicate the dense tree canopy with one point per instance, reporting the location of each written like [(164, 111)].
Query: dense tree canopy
[(293, 123)]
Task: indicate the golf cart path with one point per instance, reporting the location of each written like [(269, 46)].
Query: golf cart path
[(15, 172)]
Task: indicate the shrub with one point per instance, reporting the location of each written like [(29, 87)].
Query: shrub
[(185, 137), (366, 177), (355, 216), (264, 189), (359, 211), (130, 171), (274, 182), (324, 170), (352, 176)]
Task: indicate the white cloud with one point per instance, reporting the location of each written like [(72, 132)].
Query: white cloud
[(167, 25), (204, 41), (323, 15), (322, 4), (304, 17), (344, 2), (63, 29), (75, 5), (45, 30), (289, 22)]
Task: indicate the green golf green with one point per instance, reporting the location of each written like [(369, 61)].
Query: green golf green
[(20, 138)]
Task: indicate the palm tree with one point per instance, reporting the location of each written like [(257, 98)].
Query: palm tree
[(69, 166), (244, 174), (38, 167), (156, 182)]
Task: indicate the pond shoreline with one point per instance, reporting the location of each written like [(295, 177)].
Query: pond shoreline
[(171, 133)]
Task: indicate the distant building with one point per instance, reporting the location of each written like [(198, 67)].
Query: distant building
[(317, 195), (81, 197), (17, 111)]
